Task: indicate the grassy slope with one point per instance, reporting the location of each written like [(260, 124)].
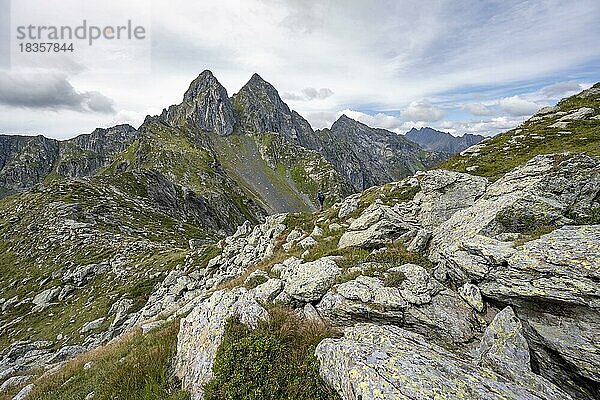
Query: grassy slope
[(508, 150), (136, 366)]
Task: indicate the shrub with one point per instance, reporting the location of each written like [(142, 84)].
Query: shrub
[(274, 361)]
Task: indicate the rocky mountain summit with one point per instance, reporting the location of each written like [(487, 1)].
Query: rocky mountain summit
[(444, 142), (141, 281)]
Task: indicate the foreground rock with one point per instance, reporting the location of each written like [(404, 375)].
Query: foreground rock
[(553, 282), (387, 362), (201, 334)]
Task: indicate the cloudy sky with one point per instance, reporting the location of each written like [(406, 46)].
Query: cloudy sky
[(457, 65)]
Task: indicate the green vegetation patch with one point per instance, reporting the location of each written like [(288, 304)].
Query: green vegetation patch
[(274, 361)]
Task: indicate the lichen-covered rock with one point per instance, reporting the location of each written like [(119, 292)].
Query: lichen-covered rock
[(472, 295), (420, 303), (363, 298), (544, 192), (309, 281), (379, 225), (503, 347), (444, 192), (201, 333), (386, 362), (418, 286), (268, 291)]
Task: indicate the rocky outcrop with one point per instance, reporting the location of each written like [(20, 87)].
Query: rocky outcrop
[(443, 193), (387, 362), (552, 282), (379, 225), (418, 302), (201, 334), (309, 281)]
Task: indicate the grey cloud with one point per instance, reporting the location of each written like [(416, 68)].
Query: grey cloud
[(49, 92), (312, 93), (309, 94), (559, 90)]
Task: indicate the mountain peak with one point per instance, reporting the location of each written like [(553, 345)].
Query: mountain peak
[(258, 84), (206, 105), (205, 80), (345, 120)]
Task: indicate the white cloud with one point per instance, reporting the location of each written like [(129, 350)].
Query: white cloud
[(518, 106), (488, 127), (309, 94), (478, 109), (423, 111)]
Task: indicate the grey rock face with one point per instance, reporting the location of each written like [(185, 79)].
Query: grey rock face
[(368, 156), (260, 109), (503, 347), (86, 154), (378, 225), (419, 303), (205, 105), (201, 334), (387, 362), (25, 161), (552, 281)]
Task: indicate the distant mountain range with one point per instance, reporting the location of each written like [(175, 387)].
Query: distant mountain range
[(444, 142), (250, 152)]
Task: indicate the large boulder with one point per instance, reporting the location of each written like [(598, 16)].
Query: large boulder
[(311, 280), (378, 225), (201, 333), (387, 362), (363, 299), (445, 192)]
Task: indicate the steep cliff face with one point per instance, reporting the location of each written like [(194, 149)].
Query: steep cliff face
[(205, 106), (260, 109), (86, 154), (25, 161)]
